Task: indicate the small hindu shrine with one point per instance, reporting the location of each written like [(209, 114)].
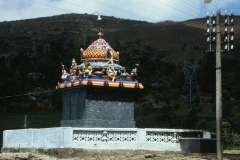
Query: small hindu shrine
[(98, 92), (98, 114)]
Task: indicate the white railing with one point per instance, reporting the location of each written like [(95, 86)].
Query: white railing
[(110, 136)]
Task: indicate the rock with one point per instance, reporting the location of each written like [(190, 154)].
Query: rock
[(129, 155), (150, 155)]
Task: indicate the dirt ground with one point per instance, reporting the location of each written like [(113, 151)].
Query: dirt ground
[(228, 155)]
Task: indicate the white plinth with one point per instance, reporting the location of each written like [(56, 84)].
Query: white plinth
[(98, 138)]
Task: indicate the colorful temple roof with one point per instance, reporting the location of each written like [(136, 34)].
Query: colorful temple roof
[(98, 49), (99, 67)]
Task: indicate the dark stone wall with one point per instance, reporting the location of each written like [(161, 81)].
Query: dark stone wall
[(98, 107), (198, 145), (73, 104)]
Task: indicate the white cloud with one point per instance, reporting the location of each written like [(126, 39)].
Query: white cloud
[(150, 10)]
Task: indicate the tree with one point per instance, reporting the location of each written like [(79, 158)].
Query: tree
[(5, 49)]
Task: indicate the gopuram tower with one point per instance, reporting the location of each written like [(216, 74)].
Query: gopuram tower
[(98, 93)]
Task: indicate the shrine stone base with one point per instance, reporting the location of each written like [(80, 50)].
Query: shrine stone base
[(98, 123), (92, 107)]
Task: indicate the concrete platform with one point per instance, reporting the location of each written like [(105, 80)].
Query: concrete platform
[(199, 145), (97, 138)]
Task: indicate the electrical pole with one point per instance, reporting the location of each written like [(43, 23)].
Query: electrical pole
[(211, 40), (25, 122), (218, 87)]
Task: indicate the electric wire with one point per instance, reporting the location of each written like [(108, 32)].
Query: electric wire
[(214, 4), (151, 9), (188, 8), (190, 4), (27, 94), (130, 3), (50, 6), (121, 10), (77, 5), (154, 12), (218, 4), (175, 8)]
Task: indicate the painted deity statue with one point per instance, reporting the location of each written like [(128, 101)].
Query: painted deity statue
[(124, 74), (109, 55), (87, 69), (111, 72), (134, 71), (65, 74), (74, 68)]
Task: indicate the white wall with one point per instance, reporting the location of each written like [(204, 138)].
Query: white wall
[(98, 138)]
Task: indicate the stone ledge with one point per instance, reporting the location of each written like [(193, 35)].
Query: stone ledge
[(98, 123), (198, 145)]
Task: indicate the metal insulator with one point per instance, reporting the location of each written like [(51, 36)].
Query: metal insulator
[(225, 39), (226, 47), (213, 13), (213, 23), (226, 30), (214, 31), (232, 23), (208, 40), (226, 22), (207, 14), (208, 32), (214, 39), (208, 22), (225, 12), (232, 39)]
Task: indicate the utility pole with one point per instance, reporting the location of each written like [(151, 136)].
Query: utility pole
[(25, 122), (218, 88), (212, 40)]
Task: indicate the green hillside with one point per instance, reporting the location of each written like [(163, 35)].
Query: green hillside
[(40, 46)]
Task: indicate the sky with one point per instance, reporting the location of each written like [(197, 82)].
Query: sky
[(143, 10)]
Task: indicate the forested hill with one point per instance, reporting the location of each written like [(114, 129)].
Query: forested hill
[(40, 45), (176, 39)]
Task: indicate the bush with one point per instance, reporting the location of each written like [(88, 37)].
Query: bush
[(13, 107), (231, 139)]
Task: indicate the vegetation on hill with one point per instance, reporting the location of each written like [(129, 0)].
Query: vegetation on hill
[(41, 45)]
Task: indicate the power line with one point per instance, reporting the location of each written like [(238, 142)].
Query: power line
[(50, 6), (150, 8), (213, 3), (27, 94), (137, 5), (190, 5), (194, 6), (175, 8), (121, 10), (189, 9), (78, 5)]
